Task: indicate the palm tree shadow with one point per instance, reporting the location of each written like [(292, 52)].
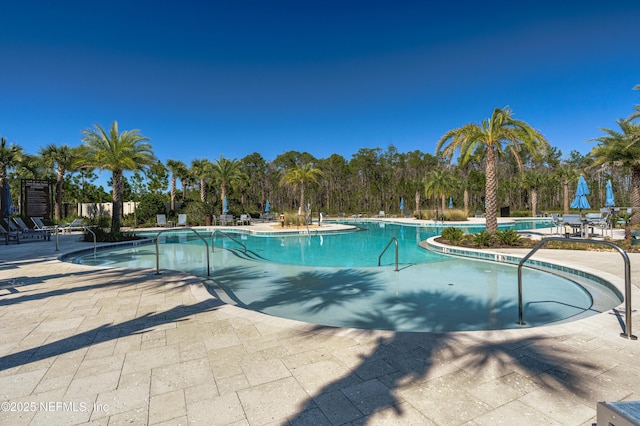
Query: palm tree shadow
[(384, 380)]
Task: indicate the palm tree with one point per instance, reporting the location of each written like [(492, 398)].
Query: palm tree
[(567, 174), (117, 152), (298, 176), (439, 183), (225, 171), (62, 158), (177, 168), (621, 148), (201, 169), (532, 180), (10, 157), (494, 135)]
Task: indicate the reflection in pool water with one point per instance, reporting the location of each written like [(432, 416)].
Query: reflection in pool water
[(334, 280)]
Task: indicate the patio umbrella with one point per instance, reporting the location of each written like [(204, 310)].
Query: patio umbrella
[(609, 200), (450, 203), (401, 203), (267, 207), (225, 206), (580, 201)]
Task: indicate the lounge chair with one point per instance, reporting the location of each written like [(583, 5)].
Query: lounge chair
[(182, 220), (381, 213), (8, 235), (244, 219), (76, 225), (162, 220), (35, 232), (14, 228), (39, 224)]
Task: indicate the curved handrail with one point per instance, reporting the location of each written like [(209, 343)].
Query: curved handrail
[(226, 235), (393, 239), (86, 228), (627, 279), (189, 229)]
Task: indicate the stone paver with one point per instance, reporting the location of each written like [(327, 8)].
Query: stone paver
[(83, 344)]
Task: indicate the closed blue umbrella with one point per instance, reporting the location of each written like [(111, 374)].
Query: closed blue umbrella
[(6, 200), (609, 200), (580, 201), (450, 203), (267, 207), (225, 206), (401, 203)]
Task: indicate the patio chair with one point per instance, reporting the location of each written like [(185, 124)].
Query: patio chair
[(182, 220), (14, 228), (381, 213), (39, 224), (76, 225), (573, 224), (244, 219), (9, 235), (557, 222), (162, 220), (35, 232)]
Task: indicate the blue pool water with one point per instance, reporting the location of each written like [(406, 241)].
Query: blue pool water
[(334, 280)]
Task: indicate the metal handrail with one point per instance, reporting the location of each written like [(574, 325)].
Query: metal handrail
[(226, 235), (627, 279), (393, 239), (86, 228), (189, 229)]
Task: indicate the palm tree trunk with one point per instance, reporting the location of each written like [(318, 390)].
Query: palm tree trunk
[(565, 184), (173, 192), (203, 191), (443, 202), (534, 201), (491, 192), (417, 201), (635, 193), (117, 200), (59, 182), (223, 193), (465, 200)]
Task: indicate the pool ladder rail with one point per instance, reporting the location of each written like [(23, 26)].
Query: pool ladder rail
[(627, 334), (186, 229), (392, 240)]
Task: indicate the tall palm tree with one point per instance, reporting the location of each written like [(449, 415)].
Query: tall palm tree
[(61, 158), (439, 183), (298, 176), (621, 148), (177, 168), (117, 152), (499, 132), (225, 171), (201, 169)]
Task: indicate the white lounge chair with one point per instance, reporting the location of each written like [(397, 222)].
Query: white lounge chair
[(162, 220), (76, 225), (182, 220)]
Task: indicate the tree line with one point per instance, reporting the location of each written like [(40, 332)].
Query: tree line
[(499, 162)]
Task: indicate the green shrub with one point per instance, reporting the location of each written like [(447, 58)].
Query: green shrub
[(508, 237), (455, 215), (148, 207), (453, 235), (103, 221), (197, 211), (483, 239)]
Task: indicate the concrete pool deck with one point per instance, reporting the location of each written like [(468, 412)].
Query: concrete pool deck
[(88, 345)]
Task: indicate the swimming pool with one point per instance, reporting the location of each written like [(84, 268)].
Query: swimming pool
[(288, 276)]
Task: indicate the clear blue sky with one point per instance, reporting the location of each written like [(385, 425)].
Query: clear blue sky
[(207, 78)]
